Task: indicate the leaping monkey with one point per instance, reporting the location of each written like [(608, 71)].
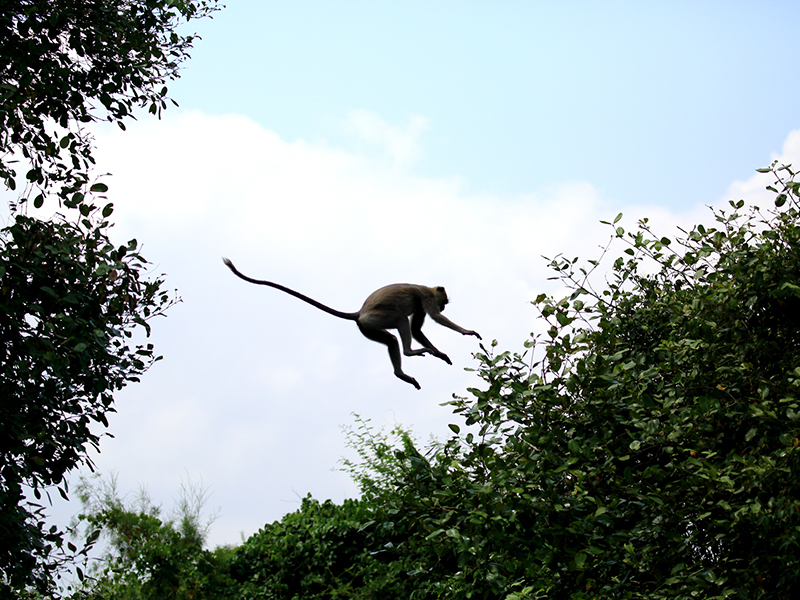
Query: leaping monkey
[(400, 306)]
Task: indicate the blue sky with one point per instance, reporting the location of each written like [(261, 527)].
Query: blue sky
[(339, 147), (660, 101)]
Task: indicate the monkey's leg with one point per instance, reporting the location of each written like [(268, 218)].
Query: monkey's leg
[(384, 337), (405, 335), (416, 331)]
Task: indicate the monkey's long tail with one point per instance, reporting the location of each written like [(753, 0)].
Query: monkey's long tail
[(311, 301)]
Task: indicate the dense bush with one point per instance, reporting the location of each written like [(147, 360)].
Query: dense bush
[(318, 551)]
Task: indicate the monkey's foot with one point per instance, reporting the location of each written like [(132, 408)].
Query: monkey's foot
[(408, 379), (444, 357)]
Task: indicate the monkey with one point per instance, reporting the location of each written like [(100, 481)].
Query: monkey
[(400, 306)]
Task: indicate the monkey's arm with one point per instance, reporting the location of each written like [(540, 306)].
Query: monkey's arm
[(442, 320), (437, 316)]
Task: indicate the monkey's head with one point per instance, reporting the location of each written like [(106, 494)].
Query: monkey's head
[(441, 297)]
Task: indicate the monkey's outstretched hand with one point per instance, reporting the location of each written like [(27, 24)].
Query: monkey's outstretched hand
[(475, 333)]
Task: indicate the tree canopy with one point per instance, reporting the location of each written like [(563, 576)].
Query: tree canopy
[(66, 63), (70, 298)]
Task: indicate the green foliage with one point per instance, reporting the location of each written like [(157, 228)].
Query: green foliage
[(647, 447), (150, 557), (329, 551), (69, 302), (379, 462), (66, 63), (317, 552)]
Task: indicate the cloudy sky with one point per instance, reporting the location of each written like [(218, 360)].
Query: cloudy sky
[(338, 147)]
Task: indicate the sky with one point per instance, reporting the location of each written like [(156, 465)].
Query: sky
[(338, 147)]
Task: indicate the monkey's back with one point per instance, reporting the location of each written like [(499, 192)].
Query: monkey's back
[(404, 297)]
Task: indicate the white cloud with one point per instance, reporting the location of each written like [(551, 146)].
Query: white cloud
[(255, 383), (401, 144)]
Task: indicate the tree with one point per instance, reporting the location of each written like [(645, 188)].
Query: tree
[(319, 551), (67, 301), (324, 550), (70, 299)]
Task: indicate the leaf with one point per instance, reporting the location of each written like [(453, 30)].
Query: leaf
[(677, 568), (436, 533), (574, 446), (455, 428), (563, 319), (99, 187)]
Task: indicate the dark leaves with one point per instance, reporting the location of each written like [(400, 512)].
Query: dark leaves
[(68, 300), (81, 61)]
